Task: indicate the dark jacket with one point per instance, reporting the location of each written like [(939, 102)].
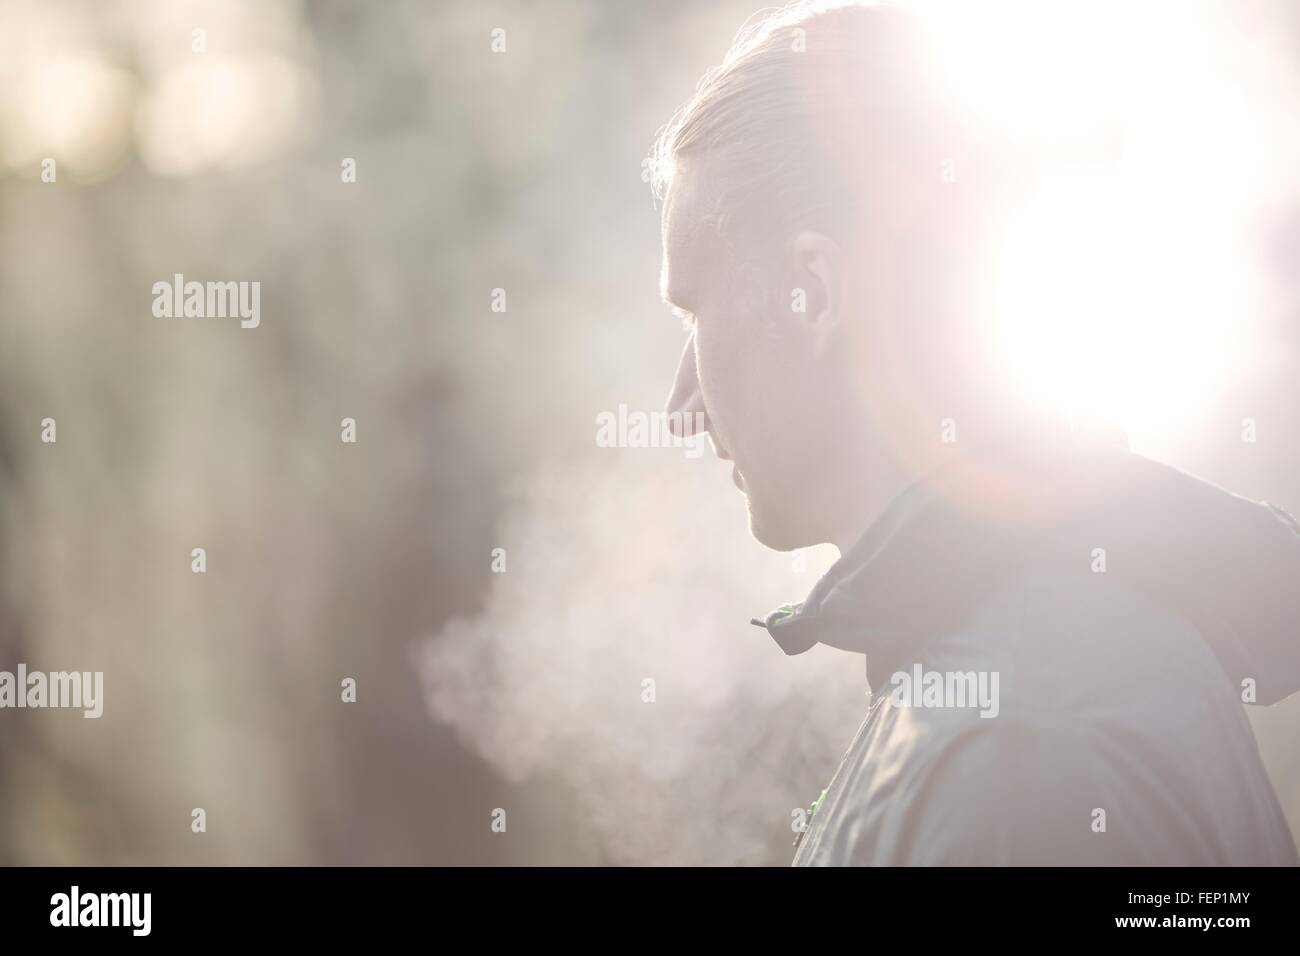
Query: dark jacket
[(1128, 611)]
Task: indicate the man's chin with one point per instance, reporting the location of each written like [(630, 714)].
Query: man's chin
[(775, 534)]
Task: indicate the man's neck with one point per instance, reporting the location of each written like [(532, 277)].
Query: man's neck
[(891, 481)]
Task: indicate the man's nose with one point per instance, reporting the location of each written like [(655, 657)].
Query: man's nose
[(686, 415)]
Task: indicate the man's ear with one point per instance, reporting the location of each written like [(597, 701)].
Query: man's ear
[(816, 267)]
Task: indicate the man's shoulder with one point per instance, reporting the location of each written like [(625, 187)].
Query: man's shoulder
[(1011, 738), (1068, 643)]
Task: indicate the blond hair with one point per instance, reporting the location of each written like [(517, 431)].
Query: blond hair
[(806, 102)]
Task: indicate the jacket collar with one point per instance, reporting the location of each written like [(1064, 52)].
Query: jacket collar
[(1226, 563)]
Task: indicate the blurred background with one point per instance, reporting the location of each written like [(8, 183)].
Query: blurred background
[(499, 587)]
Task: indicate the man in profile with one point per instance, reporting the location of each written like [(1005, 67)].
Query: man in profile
[(829, 213)]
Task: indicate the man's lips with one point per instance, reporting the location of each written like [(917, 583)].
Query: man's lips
[(726, 456)]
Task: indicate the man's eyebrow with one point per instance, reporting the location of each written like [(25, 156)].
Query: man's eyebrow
[(678, 311), (683, 293), (664, 294), (673, 307)]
